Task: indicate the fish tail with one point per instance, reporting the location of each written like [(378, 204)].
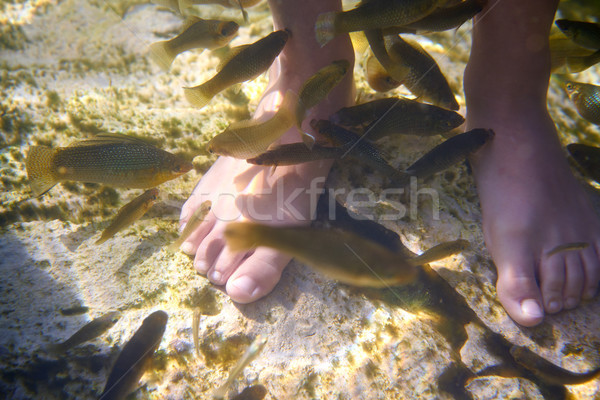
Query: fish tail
[(56, 348), (242, 236), (288, 104), (198, 96), (39, 169), (102, 239), (325, 27), (161, 54)]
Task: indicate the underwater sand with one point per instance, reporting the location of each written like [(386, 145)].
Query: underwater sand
[(70, 69)]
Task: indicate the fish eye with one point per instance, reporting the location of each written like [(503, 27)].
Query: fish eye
[(229, 29)]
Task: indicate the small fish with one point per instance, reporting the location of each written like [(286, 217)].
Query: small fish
[(586, 98), (440, 251), (115, 160), (196, 329), (397, 70), (135, 357), (247, 63), (563, 49), (425, 79), (170, 4), (241, 4), (450, 152), (547, 371), (89, 331), (197, 33), (129, 213), (576, 64), (442, 19), (296, 153), (249, 138), (341, 255), (585, 34), (317, 87), (391, 116), (374, 14), (251, 353), (378, 77), (361, 149), (567, 247), (588, 158), (192, 224)]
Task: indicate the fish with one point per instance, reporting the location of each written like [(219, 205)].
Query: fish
[(360, 149), (584, 34), (563, 49), (338, 254), (393, 115), (170, 4), (425, 79), (316, 88), (250, 355), (442, 19), (241, 4), (547, 371), (586, 98), (196, 33), (296, 153), (398, 71), (115, 160), (249, 138), (129, 213), (378, 77), (192, 224), (449, 152), (440, 251), (246, 63), (89, 331), (373, 14), (196, 329), (575, 64), (588, 158), (567, 247), (135, 357)]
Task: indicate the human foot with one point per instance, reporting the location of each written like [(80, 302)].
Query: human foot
[(240, 191), (530, 201)]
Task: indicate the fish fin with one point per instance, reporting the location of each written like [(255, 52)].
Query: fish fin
[(240, 235), (189, 21), (39, 169), (244, 13), (325, 27), (308, 139), (288, 104), (184, 5), (160, 54), (359, 42), (197, 96), (440, 251), (56, 349), (103, 238), (107, 138), (273, 169), (234, 51)]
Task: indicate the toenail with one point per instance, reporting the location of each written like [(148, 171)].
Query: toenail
[(201, 266), (187, 248), (570, 302), (215, 276), (246, 284), (532, 308), (553, 306)]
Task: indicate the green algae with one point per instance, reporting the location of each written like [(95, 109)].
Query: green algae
[(222, 351), (12, 37), (205, 299)]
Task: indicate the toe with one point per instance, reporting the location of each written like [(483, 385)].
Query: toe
[(591, 268), (191, 244), (256, 276), (518, 292), (208, 251), (552, 282), (573, 280), (225, 264)]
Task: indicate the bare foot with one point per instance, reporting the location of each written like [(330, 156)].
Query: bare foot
[(530, 200), (240, 191)]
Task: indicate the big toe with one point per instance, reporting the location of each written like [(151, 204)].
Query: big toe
[(256, 276), (519, 294)]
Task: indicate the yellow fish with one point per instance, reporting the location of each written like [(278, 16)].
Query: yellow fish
[(197, 33), (249, 138), (246, 63), (193, 223), (115, 160), (130, 213)]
